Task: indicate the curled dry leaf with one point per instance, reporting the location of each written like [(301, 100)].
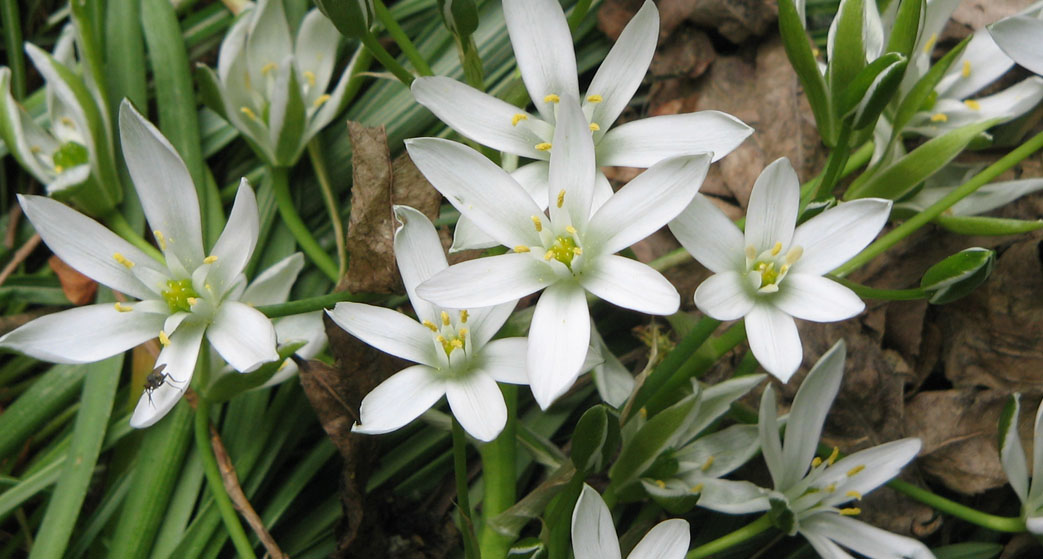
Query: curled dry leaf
[(78, 288)]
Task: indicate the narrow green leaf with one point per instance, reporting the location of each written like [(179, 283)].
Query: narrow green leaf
[(288, 144), (652, 440), (12, 24), (968, 550), (798, 50), (351, 17), (988, 226), (848, 53), (124, 54), (51, 392), (589, 437), (956, 276), (918, 97), (907, 26)]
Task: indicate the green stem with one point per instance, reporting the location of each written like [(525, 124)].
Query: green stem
[(498, 480), (318, 162), (997, 523), (866, 292), (401, 39), (119, 225), (463, 499), (579, 11), (217, 486), (919, 220), (317, 303), (290, 217), (662, 373), (695, 366), (385, 58), (730, 540), (12, 22), (834, 168)]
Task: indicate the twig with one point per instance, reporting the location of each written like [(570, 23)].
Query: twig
[(242, 504), (12, 226), (20, 255)]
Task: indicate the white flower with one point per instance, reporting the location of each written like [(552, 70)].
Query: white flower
[(1012, 456), (543, 47), (985, 199), (569, 252), (594, 536), (452, 347), (272, 88), (810, 493), (773, 273), (1018, 36), (180, 300)]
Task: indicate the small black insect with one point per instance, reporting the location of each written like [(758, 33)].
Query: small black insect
[(155, 379)]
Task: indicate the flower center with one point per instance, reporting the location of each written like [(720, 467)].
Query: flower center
[(770, 266), (563, 250), (450, 334), (179, 295), (69, 155)]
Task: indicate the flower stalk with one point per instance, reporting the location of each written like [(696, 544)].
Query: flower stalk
[(401, 39), (463, 499), (498, 479), (300, 231), (731, 539)]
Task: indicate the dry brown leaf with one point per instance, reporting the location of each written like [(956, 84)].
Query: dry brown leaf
[(371, 229), (736, 20), (613, 16), (78, 288), (686, 54), (410, 188)]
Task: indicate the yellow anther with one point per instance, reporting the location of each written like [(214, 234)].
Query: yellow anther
[(210, 259), (751, 252), (463, 318), (163, 338), (594, 127), (594, 98), (445, 318), (457, 343), (643, 412), (123, 260), (929, 45), (775, 250), (35, 149), (462, 332), (160, 239), (706, 465), (561, 198), (123, 308), (816, 462), (660, 483), (543, 146), (577, 251), (698, 488), (521, 248), (68, 122), (537, 223), (58, 168), (552, 98), (833, 456), (972, 104), (248, 112), (815, 52), (966, 72), (320, 100), (831, 488), (430, 325), (570, 229), (854, 494), (310, 77), (854, 471), (548, 255), (939, 117), (192, 301), (518, 117), (268, 68), (851, 511)]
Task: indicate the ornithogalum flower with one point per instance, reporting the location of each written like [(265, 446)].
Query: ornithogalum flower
[(773, 273), (1012, 456), (190, 293), (811, 494), (543, 47), (451, 346), (1018, 36), (568, 252), (273, 87), (594, 535)]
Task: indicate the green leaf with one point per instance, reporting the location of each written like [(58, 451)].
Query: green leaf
[(987, 226), (292, 122), (210, 90), (51, 393), (652, 439), (907, 26), (459, 16), (588, 439), (920, 94), (351, 17), (872, 89), (802, 58), (968, 550), (903, 175), (230, 384), (848, 52), (958, 275)]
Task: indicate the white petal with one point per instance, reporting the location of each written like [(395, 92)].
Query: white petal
[(534, 177), (478, 405), (1012, 455), (624, 67), (724, 296), (178, 359), (572, 166), (816, 298), (543, 48), (558, 340), (1012, 102), (164, 186), (774, 341), (504, 360), (647, 141), (880, 464), (485, 322), (26, 133), (85, 334), (308, 328), (418, 252), (984, 62), (1018, 36), (647, 203), (865, 539), (273, 285), (386, 330), (732, 497), (243, 336), (479, 189), (468, 236), (666, 540), (808, 413), (593, 535), (1036, 490), (480, 116), (269, 38), (316, 52), (768, 431), (825, 546), (708, 235), (235, 246), (487, 281), (838, 234), (231, 53), (399, 400), (630, 284), (772, 211), (88, 246)]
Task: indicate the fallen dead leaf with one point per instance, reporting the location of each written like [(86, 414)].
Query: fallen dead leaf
[(372, 267), (78, 288)]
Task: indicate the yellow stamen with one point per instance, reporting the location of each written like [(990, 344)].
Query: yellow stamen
[(123, 260), (548, 255), (68, 122), (815, 52), (462, 332), (751, 253), (966, 72), (660, 483), (852, 511), (58, 168), (163, 338), (442, 340), (561, 198), (518, 118), (594, 98), (775, 250), (552, 98), (248, 112), (457, 343), (430, 325), (268, 68), (570, 229), (521, 248), (35, 149), (577, 251), (643, 412), (833, 456), (854, 471), (816, 462), (594, 127), (537, 223), (210, 259), (463, 317), (192, 301), (831, 488), (939, 117), (445, 318), (160, 239), (706, 465), (123, 308), (543, 146), (310, 76), (854, 494), (972, 104), (698, 488), (929, 45), (320, 100)]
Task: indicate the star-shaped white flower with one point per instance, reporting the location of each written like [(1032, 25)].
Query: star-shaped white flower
[(542, 45), (568, 252), (810, 493), (773, 273), (594, 536), (451, 347), (1012, 456), (191, 294)]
